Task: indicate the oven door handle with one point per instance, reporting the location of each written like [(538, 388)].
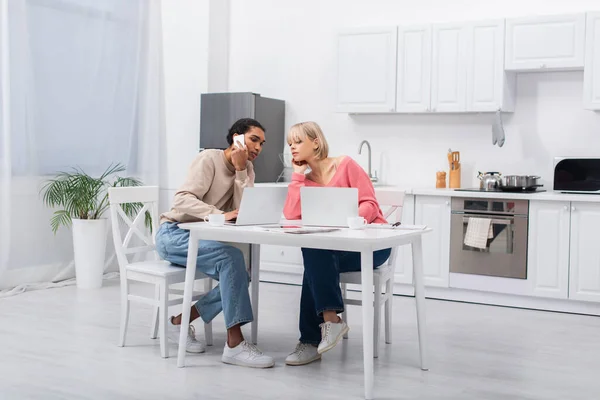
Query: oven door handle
[(495, 221)]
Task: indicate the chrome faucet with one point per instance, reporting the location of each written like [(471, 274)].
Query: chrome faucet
[(373, 178)]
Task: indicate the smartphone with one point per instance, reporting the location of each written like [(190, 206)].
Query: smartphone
[(239, 141)]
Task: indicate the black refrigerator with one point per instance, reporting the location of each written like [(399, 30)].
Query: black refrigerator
[(218, 111)]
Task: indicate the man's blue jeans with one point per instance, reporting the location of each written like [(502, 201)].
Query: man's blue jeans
[(321, 286), (221, 262)]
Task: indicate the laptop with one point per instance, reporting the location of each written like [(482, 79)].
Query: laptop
[(328, 206), (261, 206)]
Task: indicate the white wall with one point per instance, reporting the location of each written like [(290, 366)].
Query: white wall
[(287, 50), (185, 25)]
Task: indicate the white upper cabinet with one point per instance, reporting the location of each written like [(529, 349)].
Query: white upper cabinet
[(548, 248), (489, 87), (584, 281), (366, 70), (545, 42), (414, 69), (591, 76), (448, 77)]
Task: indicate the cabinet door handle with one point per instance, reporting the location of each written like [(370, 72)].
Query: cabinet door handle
[(573, 208), (447, 203), (566, 208)]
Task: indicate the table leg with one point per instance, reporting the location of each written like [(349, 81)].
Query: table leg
[(417, 253), (366, 264), (190, 276), (255, 281)]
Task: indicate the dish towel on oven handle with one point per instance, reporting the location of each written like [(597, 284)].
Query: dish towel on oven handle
[(479, 230)]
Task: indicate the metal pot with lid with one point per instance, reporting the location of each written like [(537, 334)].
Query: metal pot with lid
[(489, 180), (524, 182)]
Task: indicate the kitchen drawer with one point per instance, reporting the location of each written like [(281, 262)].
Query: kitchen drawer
[(281, 254)]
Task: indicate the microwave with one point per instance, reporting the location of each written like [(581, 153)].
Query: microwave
[(577, 175)]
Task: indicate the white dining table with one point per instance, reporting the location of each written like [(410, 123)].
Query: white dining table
[(365, 241)]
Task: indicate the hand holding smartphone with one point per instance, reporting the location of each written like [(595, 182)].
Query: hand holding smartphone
[(239, 141)]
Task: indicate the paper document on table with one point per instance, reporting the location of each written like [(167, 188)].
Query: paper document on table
[(398, 227), (298, 229)]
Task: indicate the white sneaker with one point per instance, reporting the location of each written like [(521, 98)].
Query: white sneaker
[(246, 355), (331, 334), (192, 345), (305, 353)]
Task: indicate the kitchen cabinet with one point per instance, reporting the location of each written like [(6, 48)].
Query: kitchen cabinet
[(545, 43), (366, 70), (434, 211), (403, 272), (489, 87), (448, 77), (584, 281), (591, 75), (548, 248), (468, 69), (413, 93)]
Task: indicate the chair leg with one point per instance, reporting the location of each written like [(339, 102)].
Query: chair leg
[(389, 291), (208, 333), (344, 297), (155, 313), (124, 317), (164, 317), (377, 314)]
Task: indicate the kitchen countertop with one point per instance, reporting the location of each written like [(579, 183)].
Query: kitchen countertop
[(544, 196)]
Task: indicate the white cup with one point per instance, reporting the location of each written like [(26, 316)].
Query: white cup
[(215, 219), (356, 222)]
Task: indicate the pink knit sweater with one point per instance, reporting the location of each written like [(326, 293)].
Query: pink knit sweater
[(348, 174)]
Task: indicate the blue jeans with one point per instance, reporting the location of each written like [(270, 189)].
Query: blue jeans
[(221, 262), (321, 286)]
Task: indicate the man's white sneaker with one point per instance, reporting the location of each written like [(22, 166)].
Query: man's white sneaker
[(331, 334), (246, 355), (192, 345), (305, 353)]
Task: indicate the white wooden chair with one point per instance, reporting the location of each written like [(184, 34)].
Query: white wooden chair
[(382, 276), (152, 269)]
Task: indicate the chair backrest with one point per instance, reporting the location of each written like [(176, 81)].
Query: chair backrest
[(145, 200), (391, 205)]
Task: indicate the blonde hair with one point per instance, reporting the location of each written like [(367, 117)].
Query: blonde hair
[(312, 131)]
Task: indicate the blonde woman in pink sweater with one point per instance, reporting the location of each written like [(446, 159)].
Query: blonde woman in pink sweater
[(320, 326)]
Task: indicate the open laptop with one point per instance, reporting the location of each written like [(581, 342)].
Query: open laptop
[(261, 206), (328, 206)]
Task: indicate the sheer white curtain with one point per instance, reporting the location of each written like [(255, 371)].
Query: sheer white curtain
[(81, 86)]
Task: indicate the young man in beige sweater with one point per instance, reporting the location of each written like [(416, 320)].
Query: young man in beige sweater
[(214, 185)]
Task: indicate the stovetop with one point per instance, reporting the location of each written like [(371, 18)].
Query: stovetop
[(532, 190)]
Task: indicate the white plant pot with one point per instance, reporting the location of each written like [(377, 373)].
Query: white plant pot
[(89, 245)]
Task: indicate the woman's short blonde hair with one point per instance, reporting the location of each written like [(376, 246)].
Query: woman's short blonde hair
[(312, 131)]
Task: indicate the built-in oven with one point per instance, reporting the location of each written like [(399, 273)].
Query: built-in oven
[(504, 249)]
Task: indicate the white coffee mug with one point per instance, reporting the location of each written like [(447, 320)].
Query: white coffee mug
[(215, 219), (356, 222)]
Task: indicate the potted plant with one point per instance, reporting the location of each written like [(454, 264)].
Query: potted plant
[(83, 200)]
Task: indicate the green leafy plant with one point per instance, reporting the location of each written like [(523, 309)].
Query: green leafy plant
[(82, 196)]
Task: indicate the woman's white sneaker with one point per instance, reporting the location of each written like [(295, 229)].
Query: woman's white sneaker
[(304, 353), (246, 355), (331, 334), (192, 345)]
